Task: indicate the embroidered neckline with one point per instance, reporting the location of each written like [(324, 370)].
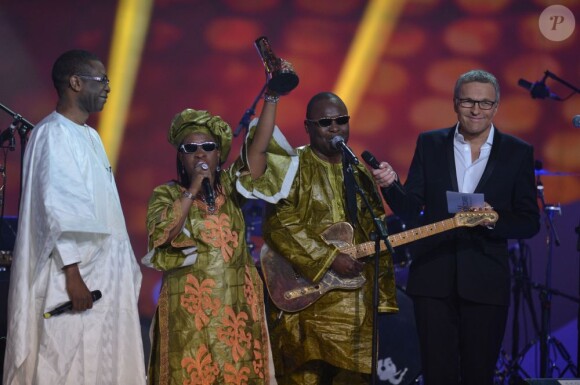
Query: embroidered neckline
[(202, 205)]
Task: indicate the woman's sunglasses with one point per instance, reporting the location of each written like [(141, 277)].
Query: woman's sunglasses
[(190, 148), (326, 122)]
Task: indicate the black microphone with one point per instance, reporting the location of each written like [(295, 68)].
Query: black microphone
[(8, 135), (67, 306), (338, 143), (538, 90), (576, 121), (374, 163), (208, 192)]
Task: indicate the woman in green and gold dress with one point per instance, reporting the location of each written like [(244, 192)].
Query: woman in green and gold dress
[(210, 326)]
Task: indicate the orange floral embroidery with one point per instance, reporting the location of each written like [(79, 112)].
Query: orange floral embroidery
[(233, 333), (235, 377), (197, 300), (250, 293), (200, 369), (218, 233), (258, 359)]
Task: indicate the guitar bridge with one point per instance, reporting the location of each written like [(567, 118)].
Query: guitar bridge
[(292, 294)]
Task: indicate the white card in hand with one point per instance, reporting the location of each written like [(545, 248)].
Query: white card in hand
[(457, 201)]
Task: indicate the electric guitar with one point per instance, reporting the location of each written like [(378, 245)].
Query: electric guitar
[(292, 292)]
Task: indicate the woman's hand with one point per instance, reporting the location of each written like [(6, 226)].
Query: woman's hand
[(198, 174)]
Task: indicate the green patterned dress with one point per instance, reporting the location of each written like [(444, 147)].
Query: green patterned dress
[(210, 326)]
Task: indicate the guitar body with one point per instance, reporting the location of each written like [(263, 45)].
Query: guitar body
[(292, 292)]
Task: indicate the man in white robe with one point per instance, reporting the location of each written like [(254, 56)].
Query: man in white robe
[(72, 240)]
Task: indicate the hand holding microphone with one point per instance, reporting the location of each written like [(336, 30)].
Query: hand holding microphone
[(67, 306), (208, 192), (206, 187), (389, 174)]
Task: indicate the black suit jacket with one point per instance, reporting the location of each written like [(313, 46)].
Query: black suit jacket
[(473, 261)]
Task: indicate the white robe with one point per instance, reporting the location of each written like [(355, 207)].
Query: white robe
[(70, 213)]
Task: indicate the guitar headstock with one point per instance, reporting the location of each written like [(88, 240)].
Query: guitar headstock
[(475, 217)]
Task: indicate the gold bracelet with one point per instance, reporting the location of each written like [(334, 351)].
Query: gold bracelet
[(187, 194)]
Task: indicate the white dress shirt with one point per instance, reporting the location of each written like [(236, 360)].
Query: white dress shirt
[(469, 173)]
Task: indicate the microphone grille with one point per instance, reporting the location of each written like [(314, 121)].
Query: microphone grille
[(370, 159), (96, 294), (367, 156), (576, 121), (336, 140)]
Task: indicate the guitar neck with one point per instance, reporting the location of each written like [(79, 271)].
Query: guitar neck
[(368, 248)]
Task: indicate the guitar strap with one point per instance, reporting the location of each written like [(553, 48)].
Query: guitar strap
[(349, 185)]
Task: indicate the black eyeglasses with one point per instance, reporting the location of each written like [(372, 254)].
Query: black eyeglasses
[(483, 104), (326, 122), (190, 148), (101, 79)]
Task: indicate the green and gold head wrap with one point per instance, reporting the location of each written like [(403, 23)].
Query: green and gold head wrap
[(189, 121)]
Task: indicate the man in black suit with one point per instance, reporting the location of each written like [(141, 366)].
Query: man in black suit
[(460, 280)]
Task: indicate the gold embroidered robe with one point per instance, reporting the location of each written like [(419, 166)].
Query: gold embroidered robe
[(338, 327)]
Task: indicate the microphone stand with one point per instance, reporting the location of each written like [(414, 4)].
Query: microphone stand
[(521, 292), (562, 81), (17, 117), (546, 292), (546, 295), (379, 235), (548, 74), (251, 111), (22, 126)]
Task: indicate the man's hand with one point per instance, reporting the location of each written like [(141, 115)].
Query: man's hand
[(384, 176), (77, 291), (486, 223), (346, 266)]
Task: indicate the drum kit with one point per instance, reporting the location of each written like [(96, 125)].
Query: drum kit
[(510, 368)]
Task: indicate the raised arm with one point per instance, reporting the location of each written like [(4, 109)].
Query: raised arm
[(257, 148)]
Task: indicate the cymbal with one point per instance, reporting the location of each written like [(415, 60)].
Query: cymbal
[(555, 173)]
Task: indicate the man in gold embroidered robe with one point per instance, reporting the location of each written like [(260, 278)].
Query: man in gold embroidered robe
[(330, 341)]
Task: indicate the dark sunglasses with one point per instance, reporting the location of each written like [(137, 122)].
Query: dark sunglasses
[(190, 148), (326, 122)]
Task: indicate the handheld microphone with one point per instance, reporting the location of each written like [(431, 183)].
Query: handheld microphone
[(538, 90), (338, 143), (374, 163), (576, 121), (208, 192), (67, 306)]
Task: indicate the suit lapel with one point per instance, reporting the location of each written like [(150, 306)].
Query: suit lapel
[(451, 160), (491, 162)]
